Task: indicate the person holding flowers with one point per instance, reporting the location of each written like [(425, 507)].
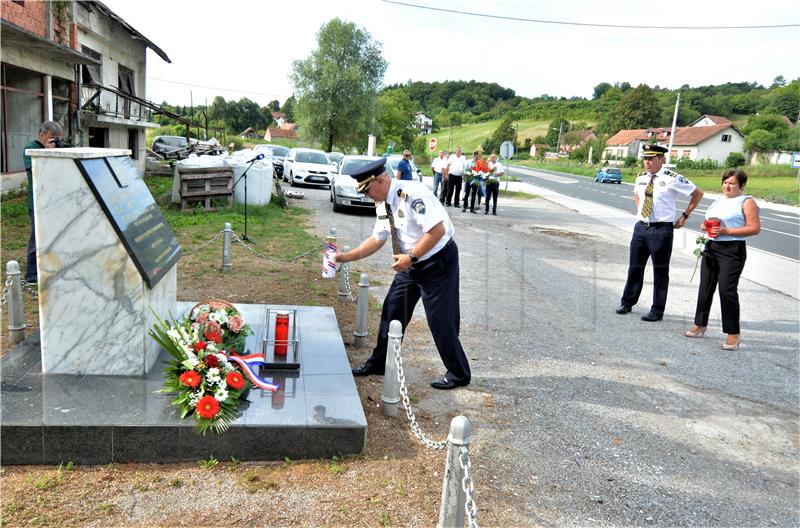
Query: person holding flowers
[(476, 171), (493, 183), (725, 255)]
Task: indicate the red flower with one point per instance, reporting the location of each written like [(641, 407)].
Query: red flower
[(213, 328), (214, 337), (203, 317), (200, 345), (235, 380), (190, 378), (207, 407), (211, 360)]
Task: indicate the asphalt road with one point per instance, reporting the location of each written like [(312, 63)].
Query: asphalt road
[(582, 417), (780, 230)]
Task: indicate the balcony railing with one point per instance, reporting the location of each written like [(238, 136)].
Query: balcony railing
[(102, 100)]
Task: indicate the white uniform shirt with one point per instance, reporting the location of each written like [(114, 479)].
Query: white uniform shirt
[(439, 164), (415, 213), (457, 164), (667, 186), (498, 169)]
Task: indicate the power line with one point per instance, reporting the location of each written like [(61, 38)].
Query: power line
[(192, 85), (584, 24)]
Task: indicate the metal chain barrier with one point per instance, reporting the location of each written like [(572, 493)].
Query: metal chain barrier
[(401, 377), (30, 288), (346, 270), (4, 298), (208, 242), (315, 248), (469, 487)]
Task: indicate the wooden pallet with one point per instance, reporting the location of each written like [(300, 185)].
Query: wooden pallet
[(203, 185)]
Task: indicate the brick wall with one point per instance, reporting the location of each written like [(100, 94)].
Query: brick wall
[(30, 16)]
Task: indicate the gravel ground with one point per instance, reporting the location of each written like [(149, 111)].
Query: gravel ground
[(586, 418)]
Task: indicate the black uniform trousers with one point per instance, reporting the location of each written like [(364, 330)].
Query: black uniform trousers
[(722, 264), (31, 272), (453, 188), (653, 241), (436, 281), (492, 191), (470, 191)]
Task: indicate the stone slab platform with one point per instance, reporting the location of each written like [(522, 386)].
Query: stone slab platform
[(96, 419)]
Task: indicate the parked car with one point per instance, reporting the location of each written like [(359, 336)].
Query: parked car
[(335, 157), (277, 153), (343, 188), (394, 160), (608, 174), (307, 166), (171, 147)]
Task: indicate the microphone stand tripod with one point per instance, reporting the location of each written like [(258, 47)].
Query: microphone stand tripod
[(244, 175)]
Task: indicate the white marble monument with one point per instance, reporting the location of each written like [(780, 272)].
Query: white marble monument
[(95, 305)]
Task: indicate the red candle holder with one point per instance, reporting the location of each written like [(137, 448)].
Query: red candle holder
[(281, 333), (711, 223)]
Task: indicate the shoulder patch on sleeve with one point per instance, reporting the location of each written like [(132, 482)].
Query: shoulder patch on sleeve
[(681, 178), (643, 173), (418, 206), (670, 173), (401, 194)]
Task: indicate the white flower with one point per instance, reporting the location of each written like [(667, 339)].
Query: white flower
[(221, 395), (220, 316), (173, 334), (227, 366), (195, 397), (211, 346), (213, 375)]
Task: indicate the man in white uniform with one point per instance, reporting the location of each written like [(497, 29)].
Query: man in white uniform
[(426, 262), (655, 192)]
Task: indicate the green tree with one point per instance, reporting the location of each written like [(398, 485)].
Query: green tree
[(600, 89), (337, 84), (639, 108), (505, 132), (395, 118), (558, 125), (785, 100), (761, 141), (274, 105), (288, 108)]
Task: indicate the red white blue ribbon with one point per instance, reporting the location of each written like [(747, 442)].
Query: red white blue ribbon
[(248, 364), (328, 257)]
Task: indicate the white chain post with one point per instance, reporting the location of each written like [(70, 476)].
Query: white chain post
[(16, 309), (391, 383), (453, 507), (344, 280), (361, 331), (227, 258)]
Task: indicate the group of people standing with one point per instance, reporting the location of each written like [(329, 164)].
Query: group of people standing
[(479, 178), (735, 216)]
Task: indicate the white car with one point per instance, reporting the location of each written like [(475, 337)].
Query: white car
[(343, 189), (307, 166)]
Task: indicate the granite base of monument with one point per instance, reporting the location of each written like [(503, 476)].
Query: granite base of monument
[(98, 419)]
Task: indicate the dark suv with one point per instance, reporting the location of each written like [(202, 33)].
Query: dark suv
[(171, 147), (277, 153)]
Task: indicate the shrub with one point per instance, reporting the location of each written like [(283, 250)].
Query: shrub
[(704, 164), (734, 159), (631, 161)]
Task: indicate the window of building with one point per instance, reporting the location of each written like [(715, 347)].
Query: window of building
[(91, 73), (22, 110), (726, 138), (125, 83), (61, 104), (686, 154), (133, 142), (98, 137), (673, 153)]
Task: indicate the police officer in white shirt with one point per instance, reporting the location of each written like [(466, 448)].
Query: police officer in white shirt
[(655, 192), (426, 262)]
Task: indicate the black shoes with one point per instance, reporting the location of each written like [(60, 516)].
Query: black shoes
[(367, 369), (652, 317), (623, 309), (473, 211), (442, 383)]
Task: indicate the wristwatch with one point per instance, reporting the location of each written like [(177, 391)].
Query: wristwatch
[(685, 215), (414, 258)]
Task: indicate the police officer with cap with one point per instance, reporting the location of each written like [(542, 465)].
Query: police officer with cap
[(655, 192), (426, 262)]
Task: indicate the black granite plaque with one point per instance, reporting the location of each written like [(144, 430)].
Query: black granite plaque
[(133, 212)]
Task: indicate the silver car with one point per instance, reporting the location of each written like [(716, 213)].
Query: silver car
[(343, 188)]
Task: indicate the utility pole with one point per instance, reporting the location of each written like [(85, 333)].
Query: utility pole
[(672, 133), (558, 143)]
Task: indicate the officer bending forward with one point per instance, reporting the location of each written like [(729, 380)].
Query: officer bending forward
[(426, 262)]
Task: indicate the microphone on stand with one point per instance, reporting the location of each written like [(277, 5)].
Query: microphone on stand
[(259, 157)]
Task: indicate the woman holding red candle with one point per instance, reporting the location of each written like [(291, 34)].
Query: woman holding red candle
[(725, 255)]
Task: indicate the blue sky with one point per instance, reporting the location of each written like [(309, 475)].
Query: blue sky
[(250, 45)]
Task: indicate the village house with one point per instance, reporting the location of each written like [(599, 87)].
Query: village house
[(79, 64), (286, 131), (709, 137), (423, 123), (575, 139), (280, 118)]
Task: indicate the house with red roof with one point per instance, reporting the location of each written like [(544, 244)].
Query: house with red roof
[(710, 137), (287, 131)]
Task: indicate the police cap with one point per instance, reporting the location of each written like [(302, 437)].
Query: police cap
[(648, 151), (366, 175)]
